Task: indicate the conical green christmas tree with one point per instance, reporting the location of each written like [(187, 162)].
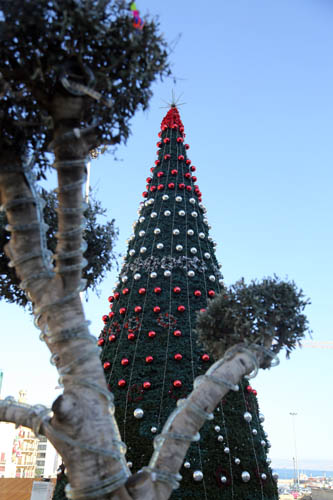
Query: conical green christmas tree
[(151, 355)]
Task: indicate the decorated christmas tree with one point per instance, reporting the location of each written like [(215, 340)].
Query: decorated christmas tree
[(150, 350)]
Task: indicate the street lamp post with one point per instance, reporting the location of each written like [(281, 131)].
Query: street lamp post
[(295, 460)]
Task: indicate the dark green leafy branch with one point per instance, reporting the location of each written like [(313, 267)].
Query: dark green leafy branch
[(100, 239), (261, 313)]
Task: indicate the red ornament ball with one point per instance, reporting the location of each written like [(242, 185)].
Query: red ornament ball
[(188, 161), (152, 188), (105, 318), (125, 291), (137, 309), (177, 289), (100, 342), (111, 298), (159, 134), (106, 365), (171, 185), (205, 357), (131, 336), (254, 392), (149, 359), (112, 338), (177, 383), (180, 139), (121, 382), (160, 174), (197, 293), (157, 162), (249, 388), (187, 175), (180, 157), (160, 187), (166, 140), (151, 334), (111, 314), (124, 361), (122, 310), (174, 171), (157, 289), (116, 295), (149, 179), (211, 293), (167, 156), (157, 309), (159, 144), (145, 194), (181, 185), (174, 126), (177, 333), (178, 357), (188, 188), (202, 310), (152, 169), (193, 168), (187, 146), (194, 178), (181, 308), (146, 385), (142, 291)]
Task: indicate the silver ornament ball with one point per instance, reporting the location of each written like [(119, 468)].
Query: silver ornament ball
[(261, 417), (226, 450), (237, 461), (153, 275), (192, 200), (129, 464), (263, 476), (220, 438), (181, 213), (138, 413), (202, 236), (124, 279), (167, 213), (275, 476), (187, 465), (212, 278), (142, 219), (254, 432), (263, 442), (154, 430), (153, 215), (194, 214), (179, 198), (175, 232), (217, 428), (131, 252), (190, 274), (207, 255), (167, 273), (165, 197), (190, 232), (223, 479), (157, 230), (159, 246), (247, 416), (142, 233), (245, 476), (143, 249), (179, 248), (197, 475), (194, 250)]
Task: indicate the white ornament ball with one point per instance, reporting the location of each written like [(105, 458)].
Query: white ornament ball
[(275, 476), (190, 232), (153, 275), (167, 213), (134, 224), (202, 236), (207, 255), (226, 450), (210, 238), (194, 213), (179, 198), (165, 197), (159, 246), (212, 277), (190, 274), (263, 442), (154, 430), (217, 428), (187, 464), (181, 213), (223, 479), (124, 279), (205, 221), (192, 200), (167, 273), (143, 249), (129, 464), (254, 432), (221, 281), (245, 476), (142, 219), (157, 230), (261, 417), (268, 444), (247, 416), (194, 250), (179, 248), (138, 413), (220, 438), (137, 276), (197, 475), (131, 252), (142, 233), (263, 476), (175, 232), (237, 461), (151, 201), (153, 215)]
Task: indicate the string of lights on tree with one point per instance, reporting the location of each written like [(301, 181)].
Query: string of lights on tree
[(150, 350)]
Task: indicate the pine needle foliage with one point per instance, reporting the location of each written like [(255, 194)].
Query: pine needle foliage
[(261, 313)]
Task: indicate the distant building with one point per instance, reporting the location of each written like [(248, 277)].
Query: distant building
[(48, 460)]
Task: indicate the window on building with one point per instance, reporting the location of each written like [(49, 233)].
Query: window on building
[(42, 447), (41, 455), (2, 457), (40, 463)]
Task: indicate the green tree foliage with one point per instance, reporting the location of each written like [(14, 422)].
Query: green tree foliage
[(99, 237), (271, 310), (51, 49)]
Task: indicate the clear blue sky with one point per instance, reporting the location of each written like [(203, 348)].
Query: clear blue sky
[(257, 79)]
